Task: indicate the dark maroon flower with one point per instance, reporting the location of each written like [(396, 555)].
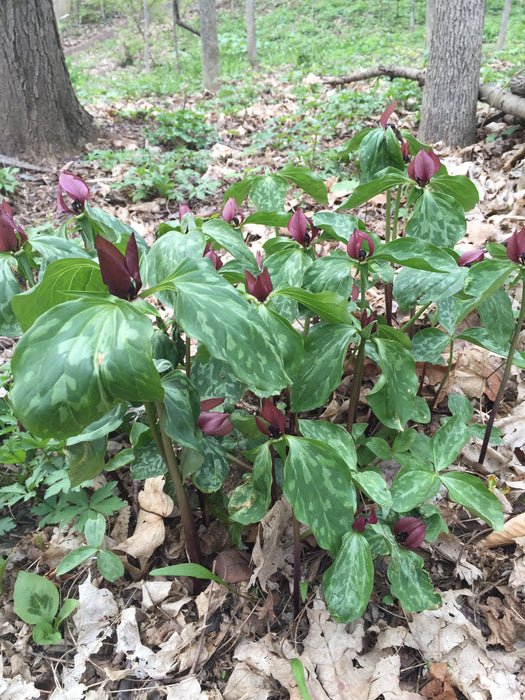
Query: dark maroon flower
[(387, 113), (516, 247), (183, 209), (471, 256), (212, 255), (360, 521), (423, 167), (259, 286), (12, 236), (298, 228), (212, 422), (120, 273), (231, 213), (76, 188), (405, 151), (410, 532), (355, 248), (367, 320), (275, 419)]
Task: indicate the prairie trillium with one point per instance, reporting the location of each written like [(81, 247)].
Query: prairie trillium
[(360, 521), (212, 255), (12, 236), (405, 151), (212, 422), (183, 209), (387, 114), (516, 247), (410, 532), (76, 188), (423, 167), (298, 228), (355, 247), (231, 213), (119, 273), (259, 286), (275, 419), (471, 256)]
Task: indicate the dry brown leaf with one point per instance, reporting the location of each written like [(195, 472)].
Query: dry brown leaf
[(513, 528), (232, 566), (505, 619), (153, 499), (438, 686), (268, 553)]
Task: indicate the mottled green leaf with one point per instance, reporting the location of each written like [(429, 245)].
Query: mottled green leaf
[(109, 565), (95, 529), (322, 369), (215, 467), (379, 149), (289, 343), (101, 427), (318, 484), (214, 379), (77, 361), (86, 460), (249, 502), (416, 253), (413, 287), (328, 305), (348, 583), (337, 227), (413, 486), (457, 186), (268, 192), (231, 239), (428, 344), (9, 287), (36, 599), (470, 492), (181, 409), (334, 435), (374, 486), (497, 317), (437, 218), (448, 441), (307, 180), (330, 273), (410, 583)]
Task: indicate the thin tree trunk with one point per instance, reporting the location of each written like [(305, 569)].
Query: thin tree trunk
[(41, 116), (412, 16), (146, 36), (503, 26), (448, 111), (429, 20), (209, 44), (250, 31)]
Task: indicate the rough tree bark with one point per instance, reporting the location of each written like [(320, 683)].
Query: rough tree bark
[(504, 24), (43, 119), (448, 112), (209, 44), (250, 32), (429, 19)]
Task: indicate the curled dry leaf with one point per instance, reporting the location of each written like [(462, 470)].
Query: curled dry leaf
[(513, 528)]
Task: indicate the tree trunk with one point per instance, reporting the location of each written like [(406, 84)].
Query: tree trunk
[(412, 16), (503, 26), (146, 36), (42, 116), (209, 44), (250, 31), (448, 112), (429, 20)]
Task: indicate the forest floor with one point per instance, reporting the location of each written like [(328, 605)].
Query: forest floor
[(146, 638)]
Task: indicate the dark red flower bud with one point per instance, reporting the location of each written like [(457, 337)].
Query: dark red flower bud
[(355, 247), (183, 209), (231, 213), (120, 274), (405, 151), (275, 424), (516, 247), (259, 286), (76, 188), (424, 166), (360, 521), (12, 236), (366, 319), (212, 255), (410, 532), (387, 114), (298, 228), (471, 256)]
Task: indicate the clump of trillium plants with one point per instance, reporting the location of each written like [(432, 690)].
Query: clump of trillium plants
[(96, 355)]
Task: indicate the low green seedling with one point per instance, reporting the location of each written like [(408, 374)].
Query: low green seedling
[(108, 564), (37, 602)]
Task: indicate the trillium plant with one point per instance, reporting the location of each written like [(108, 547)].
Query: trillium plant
[(209, 355)]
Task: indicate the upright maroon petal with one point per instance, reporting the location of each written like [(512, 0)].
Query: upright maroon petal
[(471, 256), (387, 113), (208, 404), (297, 226), (132, 262), (423, 167), (75, 187), (355, 247), (274, 417), (115, 274), (214, 423), (516, 247)]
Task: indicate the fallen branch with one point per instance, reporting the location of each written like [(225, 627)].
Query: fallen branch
[(493, 95), (23, 165)]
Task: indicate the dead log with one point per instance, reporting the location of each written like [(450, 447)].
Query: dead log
[(493, 95)]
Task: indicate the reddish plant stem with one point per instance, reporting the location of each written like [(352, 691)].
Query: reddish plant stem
[(296, 567)]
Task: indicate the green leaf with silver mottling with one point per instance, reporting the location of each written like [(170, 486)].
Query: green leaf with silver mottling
[(77, 361), (437, 218), (147, 462), (471, 493), (409, 582), (231, 239), (336, 227), (428, 344), (413, 486), (249, 502), (289, 343), (95, 529), (215, 468), (268, 192), (458, 186), (86, 460), (330, 273), (348, 583), (36, 599), (374, 486), (110, 227), (413, 287), (212, 311), (378, 150), (9, 289), (309, 181), (334, 435), (328, 305), (52, 248), (497, 317), (286, 268), (460, 406), (387, 180), (392, 398), (62, 281), (322, 369), (318, 484), (181, 409), (101, 427), (418, 254), (448, 441), (215, 378), (109, 565)]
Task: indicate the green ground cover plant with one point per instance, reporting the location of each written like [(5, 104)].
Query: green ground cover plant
[(96, 355)]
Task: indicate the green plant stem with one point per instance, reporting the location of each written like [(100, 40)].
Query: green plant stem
[(360, 359), (447, 372), (238, 462), (273, 490), (296, 567), (188, 523), (387, 215), (395, 218), (306, 327), (151, 415), (414, 318), (506, 373), (188, 356)]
